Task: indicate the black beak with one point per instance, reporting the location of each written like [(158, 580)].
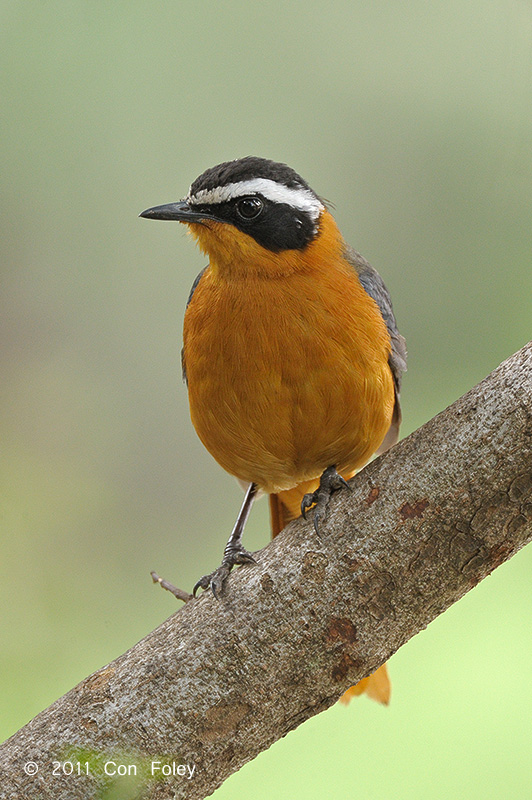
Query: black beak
[(181, 212)]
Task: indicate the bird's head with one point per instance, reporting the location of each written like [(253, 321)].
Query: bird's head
[(252, 215)]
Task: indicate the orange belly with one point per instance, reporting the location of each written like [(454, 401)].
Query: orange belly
[(287, 375)]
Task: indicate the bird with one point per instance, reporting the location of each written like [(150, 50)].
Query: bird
[(291, 351)]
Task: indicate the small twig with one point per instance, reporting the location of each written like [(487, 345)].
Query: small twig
[(179, 593)]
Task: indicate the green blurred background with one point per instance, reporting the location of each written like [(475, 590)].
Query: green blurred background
[(415, 120)]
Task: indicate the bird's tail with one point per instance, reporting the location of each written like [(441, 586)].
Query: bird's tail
[(284, 507)]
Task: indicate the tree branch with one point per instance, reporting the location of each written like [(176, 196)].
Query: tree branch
[(218, 682)]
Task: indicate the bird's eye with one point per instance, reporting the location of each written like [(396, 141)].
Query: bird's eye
[(249, 207)]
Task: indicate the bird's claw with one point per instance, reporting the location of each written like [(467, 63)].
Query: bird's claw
[(330, 481), (203, 583), (232, 556), (215, 580), (241, 556), (308, 501)]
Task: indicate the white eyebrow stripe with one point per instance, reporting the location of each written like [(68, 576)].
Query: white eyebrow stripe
[(302, 199)]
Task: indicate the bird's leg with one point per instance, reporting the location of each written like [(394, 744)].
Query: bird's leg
[(234, 553), (329, 482)]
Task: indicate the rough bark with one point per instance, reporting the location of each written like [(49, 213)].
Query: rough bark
[(219, 682)]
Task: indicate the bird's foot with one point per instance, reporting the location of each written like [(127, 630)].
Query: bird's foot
[(232, 555), (330, 481)]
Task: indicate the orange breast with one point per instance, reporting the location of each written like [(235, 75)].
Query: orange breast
[(288, 374)]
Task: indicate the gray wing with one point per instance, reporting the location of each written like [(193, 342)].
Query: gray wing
[(193, 289), (375, 287)]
